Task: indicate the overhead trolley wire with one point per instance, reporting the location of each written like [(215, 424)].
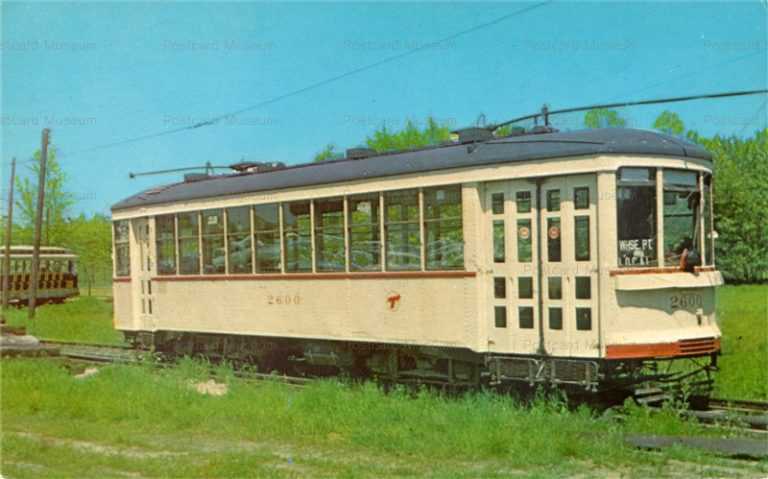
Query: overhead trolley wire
[(318, 84), (656, 101)]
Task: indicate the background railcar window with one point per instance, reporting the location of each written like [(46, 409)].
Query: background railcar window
[(330, 254), (636, 215), (266, 225), (189, 243), (402, 230), (364, 216), (122, 248), (443, 228), (297, 236), (165, 234), (213, 242), (239, 239), (681, 214)]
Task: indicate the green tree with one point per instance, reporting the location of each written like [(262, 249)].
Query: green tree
[(57, 199), (327, 153), (669, 123), (604, 118), (410, 136), (91, 239)]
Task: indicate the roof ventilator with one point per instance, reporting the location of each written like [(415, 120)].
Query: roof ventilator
[(360, 153)]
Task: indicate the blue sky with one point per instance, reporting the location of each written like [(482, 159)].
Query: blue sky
[(97, 73)]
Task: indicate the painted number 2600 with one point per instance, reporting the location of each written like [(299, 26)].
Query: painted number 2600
[(283, 299), (685, 301)]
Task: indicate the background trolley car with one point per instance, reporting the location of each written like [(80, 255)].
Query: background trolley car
[(58, 274), (582, 259)]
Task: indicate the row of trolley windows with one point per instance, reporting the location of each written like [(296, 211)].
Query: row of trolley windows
[(683, 203), (523, 201), (24, 266), (524, 232), (583, 291), (254, 244), (554, 245), (555, 316)]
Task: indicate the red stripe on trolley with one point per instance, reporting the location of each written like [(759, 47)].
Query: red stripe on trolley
[(685, 347)]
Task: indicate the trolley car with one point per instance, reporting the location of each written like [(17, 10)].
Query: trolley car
[(57, 280), (578, 258)]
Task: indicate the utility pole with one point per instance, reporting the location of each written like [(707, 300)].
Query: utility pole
[(38, 226), (8, 231)]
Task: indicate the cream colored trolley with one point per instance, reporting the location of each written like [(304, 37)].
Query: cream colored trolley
[(534, 259)]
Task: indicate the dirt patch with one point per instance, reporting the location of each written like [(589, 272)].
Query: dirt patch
[(211, 388), (88, 372), (92, 447)]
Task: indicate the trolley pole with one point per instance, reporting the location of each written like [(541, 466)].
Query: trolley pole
[(8, 232), (38, 226)]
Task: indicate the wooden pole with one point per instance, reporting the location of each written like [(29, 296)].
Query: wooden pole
[(8, 232), (38, 225)]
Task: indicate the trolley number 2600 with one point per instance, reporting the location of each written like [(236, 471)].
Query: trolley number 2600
[(283, 299), (685, 301)]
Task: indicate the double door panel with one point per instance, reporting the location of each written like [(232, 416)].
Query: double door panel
[(543, 265)]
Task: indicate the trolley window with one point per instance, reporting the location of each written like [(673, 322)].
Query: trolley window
[(681, 214), (165, 227), (364, 217), (443, 229), (266, 224), (214, 261), (330, 253), (297, 236), (239, 239), (636, 211), (402, 230), (709, 252), (122, 248), (189, 243)]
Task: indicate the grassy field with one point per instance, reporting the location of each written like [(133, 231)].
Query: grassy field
[(130, 420), (84, 319), (743, 317), (138, 421)]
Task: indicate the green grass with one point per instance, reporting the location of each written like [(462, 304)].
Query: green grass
[(83, 319), (139, 420), (743, 317), (142, 421)]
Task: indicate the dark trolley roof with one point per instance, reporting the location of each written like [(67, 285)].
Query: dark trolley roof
[(613, 141)]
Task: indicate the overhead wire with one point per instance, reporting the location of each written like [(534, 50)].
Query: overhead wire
[(216, 119)]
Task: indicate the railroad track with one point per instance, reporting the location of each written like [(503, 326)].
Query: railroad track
[(739, 405), (102, 353)]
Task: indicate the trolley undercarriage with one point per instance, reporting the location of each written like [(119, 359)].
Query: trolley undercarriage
[(647, 380)]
